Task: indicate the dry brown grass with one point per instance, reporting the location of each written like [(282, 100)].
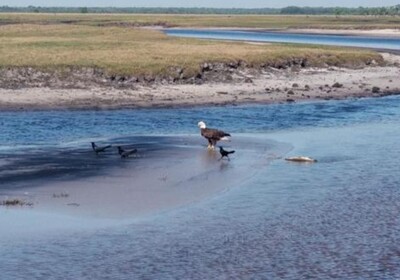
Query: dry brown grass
[(250, 21), (134, 51)]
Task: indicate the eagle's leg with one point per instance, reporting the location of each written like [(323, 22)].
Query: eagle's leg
[(209, 144), (213, 143)]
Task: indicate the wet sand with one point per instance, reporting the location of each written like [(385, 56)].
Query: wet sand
[(167, 172)]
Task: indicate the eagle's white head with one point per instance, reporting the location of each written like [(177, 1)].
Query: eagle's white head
[(202, 125)]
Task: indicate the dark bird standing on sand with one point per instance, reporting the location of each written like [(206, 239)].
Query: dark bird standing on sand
[(225, 153), (126, 153), (212, 135), (98, 149)]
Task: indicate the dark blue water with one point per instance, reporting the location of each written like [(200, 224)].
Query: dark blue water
[(337, 219), (278, 37), (50, 128)]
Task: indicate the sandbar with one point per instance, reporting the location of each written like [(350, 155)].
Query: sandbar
[(167, 173)]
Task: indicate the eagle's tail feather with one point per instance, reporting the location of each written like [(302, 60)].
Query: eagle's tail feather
[(225, 138)]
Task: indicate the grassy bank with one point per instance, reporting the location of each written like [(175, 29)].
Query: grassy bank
[(249, 21), (134, 51)]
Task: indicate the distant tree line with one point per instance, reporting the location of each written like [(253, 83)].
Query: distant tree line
[(374, 11), (137, 10), (291, 10)]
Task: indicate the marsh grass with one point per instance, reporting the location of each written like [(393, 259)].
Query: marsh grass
[(250, 21), (142, 52)]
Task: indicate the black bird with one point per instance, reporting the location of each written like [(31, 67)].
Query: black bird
[(98, 149), (125, 153), (224, 153)]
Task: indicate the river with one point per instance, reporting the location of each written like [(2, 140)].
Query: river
[(374, 42), (335, 219)]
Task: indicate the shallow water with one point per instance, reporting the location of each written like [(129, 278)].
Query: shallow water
[(165, 173), (36, 129), (281, 37), (336, 219)]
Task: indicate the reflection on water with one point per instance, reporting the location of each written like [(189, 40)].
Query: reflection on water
[(336, 219)]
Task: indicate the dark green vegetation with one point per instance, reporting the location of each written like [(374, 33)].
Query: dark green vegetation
[(291, 10)]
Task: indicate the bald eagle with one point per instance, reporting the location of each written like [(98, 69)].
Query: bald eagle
[(212, 135)]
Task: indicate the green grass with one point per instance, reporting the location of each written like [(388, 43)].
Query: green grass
[(135, 51)]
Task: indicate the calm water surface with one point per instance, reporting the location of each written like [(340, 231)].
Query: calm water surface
[(52, 128), (281, 37), (337, 219)]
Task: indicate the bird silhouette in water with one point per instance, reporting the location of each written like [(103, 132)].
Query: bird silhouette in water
[(225, 153), (126, 153), (98, 149)]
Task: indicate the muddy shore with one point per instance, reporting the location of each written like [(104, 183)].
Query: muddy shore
[(26, 88)]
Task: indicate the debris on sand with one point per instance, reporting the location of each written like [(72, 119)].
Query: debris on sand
[(301, 159), (15, 202), (60, 195)]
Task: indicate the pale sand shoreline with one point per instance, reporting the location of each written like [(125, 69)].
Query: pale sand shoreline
[(395, 33), (273, 86)]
